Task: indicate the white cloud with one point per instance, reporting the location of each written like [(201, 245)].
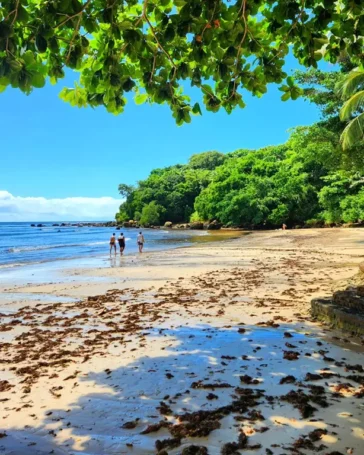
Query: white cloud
[(18, 208)]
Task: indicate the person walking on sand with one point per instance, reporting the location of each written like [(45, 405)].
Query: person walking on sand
[(284, 227), (121, 240), (140, 242), (113, 243)]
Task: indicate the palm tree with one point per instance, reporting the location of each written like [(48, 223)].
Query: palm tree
[(352, 89)]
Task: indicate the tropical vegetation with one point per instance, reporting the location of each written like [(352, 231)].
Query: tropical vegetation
[(309, 180), (155, 48), (353, 109)]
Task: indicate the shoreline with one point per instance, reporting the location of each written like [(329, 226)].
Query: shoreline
[(97, 260), (108, 373)]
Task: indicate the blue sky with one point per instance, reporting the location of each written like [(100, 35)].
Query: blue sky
[(52, 150)]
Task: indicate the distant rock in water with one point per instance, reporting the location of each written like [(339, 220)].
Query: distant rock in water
[(111, 224), (168, 224)]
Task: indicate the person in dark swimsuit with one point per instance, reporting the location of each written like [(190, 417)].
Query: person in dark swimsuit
[(113, 243), (121, 240)]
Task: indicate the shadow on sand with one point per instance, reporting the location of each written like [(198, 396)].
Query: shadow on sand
[(220, 381)]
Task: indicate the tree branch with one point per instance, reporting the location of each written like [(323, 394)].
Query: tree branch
[(243, 9), (73, 38), (212, 16), (159, 44)]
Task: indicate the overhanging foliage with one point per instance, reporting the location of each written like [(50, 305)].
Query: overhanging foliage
[(150, 47)]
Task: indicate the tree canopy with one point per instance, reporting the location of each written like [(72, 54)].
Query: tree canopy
[(308, 180), (172, 190), (152, 46)]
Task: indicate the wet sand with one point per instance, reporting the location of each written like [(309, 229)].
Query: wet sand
[(210, 346)]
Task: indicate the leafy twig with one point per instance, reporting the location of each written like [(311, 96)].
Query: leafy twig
[(73, 15), (73, 38), (160, 45), (212, 16), (243, 9)]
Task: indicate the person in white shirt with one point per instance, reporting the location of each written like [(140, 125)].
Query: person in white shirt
[(140, 242)]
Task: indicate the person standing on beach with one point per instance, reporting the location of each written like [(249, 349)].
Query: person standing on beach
[(121, 240), (284, 227), (140, 242), (113, 243)]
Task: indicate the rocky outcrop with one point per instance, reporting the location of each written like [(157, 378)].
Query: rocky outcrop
[(213, 226), (344, 310), (131, 224), (182, 226), (168, 224), (196, 225)]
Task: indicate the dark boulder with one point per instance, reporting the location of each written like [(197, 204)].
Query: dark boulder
[(196, 225), (214, 225)]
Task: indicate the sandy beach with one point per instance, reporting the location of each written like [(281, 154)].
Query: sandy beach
[(209, 349)]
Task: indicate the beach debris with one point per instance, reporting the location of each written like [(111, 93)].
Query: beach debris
[(217, 385), (300, 401), (313, 377), (246, 379), (194, 450), (5, 386), (170, 443), (131, 424), (291, 355), (153, 428), (288, 379), (164, 409)]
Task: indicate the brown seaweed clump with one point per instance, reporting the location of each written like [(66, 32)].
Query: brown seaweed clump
[(232, 448), (5, 386), (246, 379), (170, 443), (195, 450), (288, 380), (291, 355), (300, 401)]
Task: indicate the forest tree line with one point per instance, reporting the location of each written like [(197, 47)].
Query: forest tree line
[(309, 180)]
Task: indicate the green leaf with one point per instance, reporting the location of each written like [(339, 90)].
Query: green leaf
[(38, 80), (141, 98), (41, 43), (207, 89), (286, 96), (196, 109), (290, 81), (28, 57)]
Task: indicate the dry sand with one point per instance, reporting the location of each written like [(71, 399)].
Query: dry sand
[(210, 346)]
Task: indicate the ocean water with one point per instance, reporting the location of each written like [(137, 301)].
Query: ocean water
[(21, 244)]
